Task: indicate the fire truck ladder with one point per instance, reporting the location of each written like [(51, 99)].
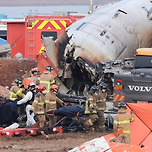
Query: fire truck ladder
[(31, 37)]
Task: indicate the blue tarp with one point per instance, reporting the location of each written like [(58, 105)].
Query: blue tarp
[(68, 111), (2, 41), (2, 16)]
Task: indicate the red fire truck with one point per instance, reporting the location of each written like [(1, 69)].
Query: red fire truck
[(24, 36)]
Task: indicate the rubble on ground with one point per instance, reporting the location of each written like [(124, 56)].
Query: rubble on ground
[(4, 92)]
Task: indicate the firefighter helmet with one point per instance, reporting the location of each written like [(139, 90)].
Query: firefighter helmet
[(49, 68), (35, 71), (18, 81), (54, 87), (41, 88), (31, 85), (93, 89), (102, 85), (122, 105)]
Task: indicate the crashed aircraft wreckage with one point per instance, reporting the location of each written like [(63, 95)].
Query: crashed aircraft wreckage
[(94, 43)]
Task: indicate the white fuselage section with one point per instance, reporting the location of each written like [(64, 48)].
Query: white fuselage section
[(113, 31)]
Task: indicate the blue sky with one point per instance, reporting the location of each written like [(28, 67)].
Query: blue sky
[(22, 12)]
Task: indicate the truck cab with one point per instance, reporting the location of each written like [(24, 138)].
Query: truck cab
[(135, 86)]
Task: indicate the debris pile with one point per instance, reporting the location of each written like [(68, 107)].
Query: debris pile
[(11, 68)]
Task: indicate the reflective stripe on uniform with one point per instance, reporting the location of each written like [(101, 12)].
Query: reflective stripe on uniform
[(11, 94), (12, 99), (50, 102), (90, 99), (132, 119), (48, 84), (122, 122), (101, 109), (92, 129), (45, 82), (125, 131), (20, 90), (39, 112), (90, 121), (91, 105), (39, 103), (103, 100), (101, 127), (32, 108), (87, 108), (50, 109), (23, 93), (53, 81)]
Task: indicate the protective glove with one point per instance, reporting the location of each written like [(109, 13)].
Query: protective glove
[(62, 104), (31, 112), (17, 103)]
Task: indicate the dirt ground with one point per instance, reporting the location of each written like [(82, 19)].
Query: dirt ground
[(62, 142), (10, 69), (54, 143)]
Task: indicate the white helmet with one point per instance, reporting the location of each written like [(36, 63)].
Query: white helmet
[(31, 85)]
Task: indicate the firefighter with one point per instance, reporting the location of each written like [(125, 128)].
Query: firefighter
[(46, 79), (122, 120), (38, 105), (16, 91), (90, 109), (101, 106), (29, 97), (34, 72), (51, 103), (27, 102)]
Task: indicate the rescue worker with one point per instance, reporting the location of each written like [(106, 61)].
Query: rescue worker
[(90, 109), (122, 120), (28, 100), (46, 79), (29, 97), (34, 72), (101, 106), (38, 106), (16, 91), (51, 103)]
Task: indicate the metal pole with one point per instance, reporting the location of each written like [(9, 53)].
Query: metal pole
[(91, 7)]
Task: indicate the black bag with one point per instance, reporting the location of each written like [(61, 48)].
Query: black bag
[(73, 125), (109, 122)]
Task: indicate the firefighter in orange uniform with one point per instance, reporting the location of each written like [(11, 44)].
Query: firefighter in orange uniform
[(38, 105), (101, 106), (51, 100), (46, 79), (122, 120), (16, 91), (90, 109), (32, 78)]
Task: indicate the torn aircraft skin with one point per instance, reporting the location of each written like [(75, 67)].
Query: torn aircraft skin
[(112, 32)]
